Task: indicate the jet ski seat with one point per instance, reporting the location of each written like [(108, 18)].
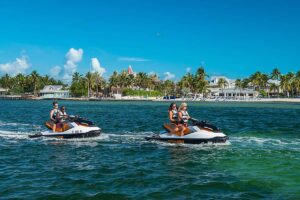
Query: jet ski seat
[(60, 127), (171, 127)]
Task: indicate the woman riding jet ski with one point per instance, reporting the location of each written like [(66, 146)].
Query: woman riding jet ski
[(180, 132), (66, 127), (73, 127)]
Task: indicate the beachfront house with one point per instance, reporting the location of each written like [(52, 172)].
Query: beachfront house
[(3, 91), (54, 92), (215, 79), (229, 91), (233, 93)]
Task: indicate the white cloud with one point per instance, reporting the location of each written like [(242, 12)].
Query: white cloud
[(133, 59), (55, 71), (73, 57), (13, 68), (169, 76), (96, 67), (188, 69)]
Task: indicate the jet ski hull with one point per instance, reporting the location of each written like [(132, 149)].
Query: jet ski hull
[(195, 135), (187, 140), (71, 129)]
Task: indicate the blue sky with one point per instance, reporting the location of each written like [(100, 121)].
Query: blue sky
[(233, 37)]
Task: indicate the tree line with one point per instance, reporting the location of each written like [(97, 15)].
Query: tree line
[(31, 83), (93, 84)]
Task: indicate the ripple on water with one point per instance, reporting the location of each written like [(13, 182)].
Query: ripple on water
[(261, 159)]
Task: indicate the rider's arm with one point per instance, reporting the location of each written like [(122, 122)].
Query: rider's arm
[(188, 117), (179, 116), (51, 115), (58, 115)]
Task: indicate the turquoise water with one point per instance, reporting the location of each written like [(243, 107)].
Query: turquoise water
[(261, 161)]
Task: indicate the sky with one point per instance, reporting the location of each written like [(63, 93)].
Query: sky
[(169, 37)]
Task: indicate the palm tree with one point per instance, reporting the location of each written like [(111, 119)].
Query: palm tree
[(222, 83), (123, 79), (114, 80), (285, 83), (201, 83), (90, 82), (153, 81), (142, 80), (273, 87), (259, 80), (256, 80), (169, 87), (291, 77), (35, 78), (275, 75), (200, 74), (245, 83), (239, 85), (6, 81), (130, 80), (188, 81), (98, 82), (18, 83), (76, 77), (297, 82)]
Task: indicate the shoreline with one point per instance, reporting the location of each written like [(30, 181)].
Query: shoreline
[(282, 100)]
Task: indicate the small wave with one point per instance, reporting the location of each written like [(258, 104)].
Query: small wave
[(267, 142), (14, 134), (13, 124), (192, 146)]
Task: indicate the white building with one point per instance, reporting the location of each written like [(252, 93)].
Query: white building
[(54, 92), (233, 93), (215, 79), (3, 91)]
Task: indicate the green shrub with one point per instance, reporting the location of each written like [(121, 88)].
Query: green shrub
[(144, 93), (263, 93)]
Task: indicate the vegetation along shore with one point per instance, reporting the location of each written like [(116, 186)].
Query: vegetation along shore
[(128, 85)]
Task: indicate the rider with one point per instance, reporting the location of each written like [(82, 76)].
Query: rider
[(173, 116), (62, 114), (54, 115), (183, 117)]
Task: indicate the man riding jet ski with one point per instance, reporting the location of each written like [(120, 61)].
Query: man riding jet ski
[(180, 132)]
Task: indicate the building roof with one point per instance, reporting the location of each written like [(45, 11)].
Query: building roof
[(53, 89), (3, 90), (214, 81)]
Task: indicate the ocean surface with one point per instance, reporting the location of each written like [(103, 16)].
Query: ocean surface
[(260, 161)]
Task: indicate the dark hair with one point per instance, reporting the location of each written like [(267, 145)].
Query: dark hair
[(54, 102), (171, 106), (62, 107)]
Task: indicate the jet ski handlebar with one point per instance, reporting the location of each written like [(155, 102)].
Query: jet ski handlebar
[(81, 120), (204, 124)]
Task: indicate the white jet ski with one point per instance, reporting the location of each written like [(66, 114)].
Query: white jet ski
[(199, 132), (73, 127)]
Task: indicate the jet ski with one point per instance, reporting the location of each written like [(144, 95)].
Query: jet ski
[(72, 127), (199, 132)]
